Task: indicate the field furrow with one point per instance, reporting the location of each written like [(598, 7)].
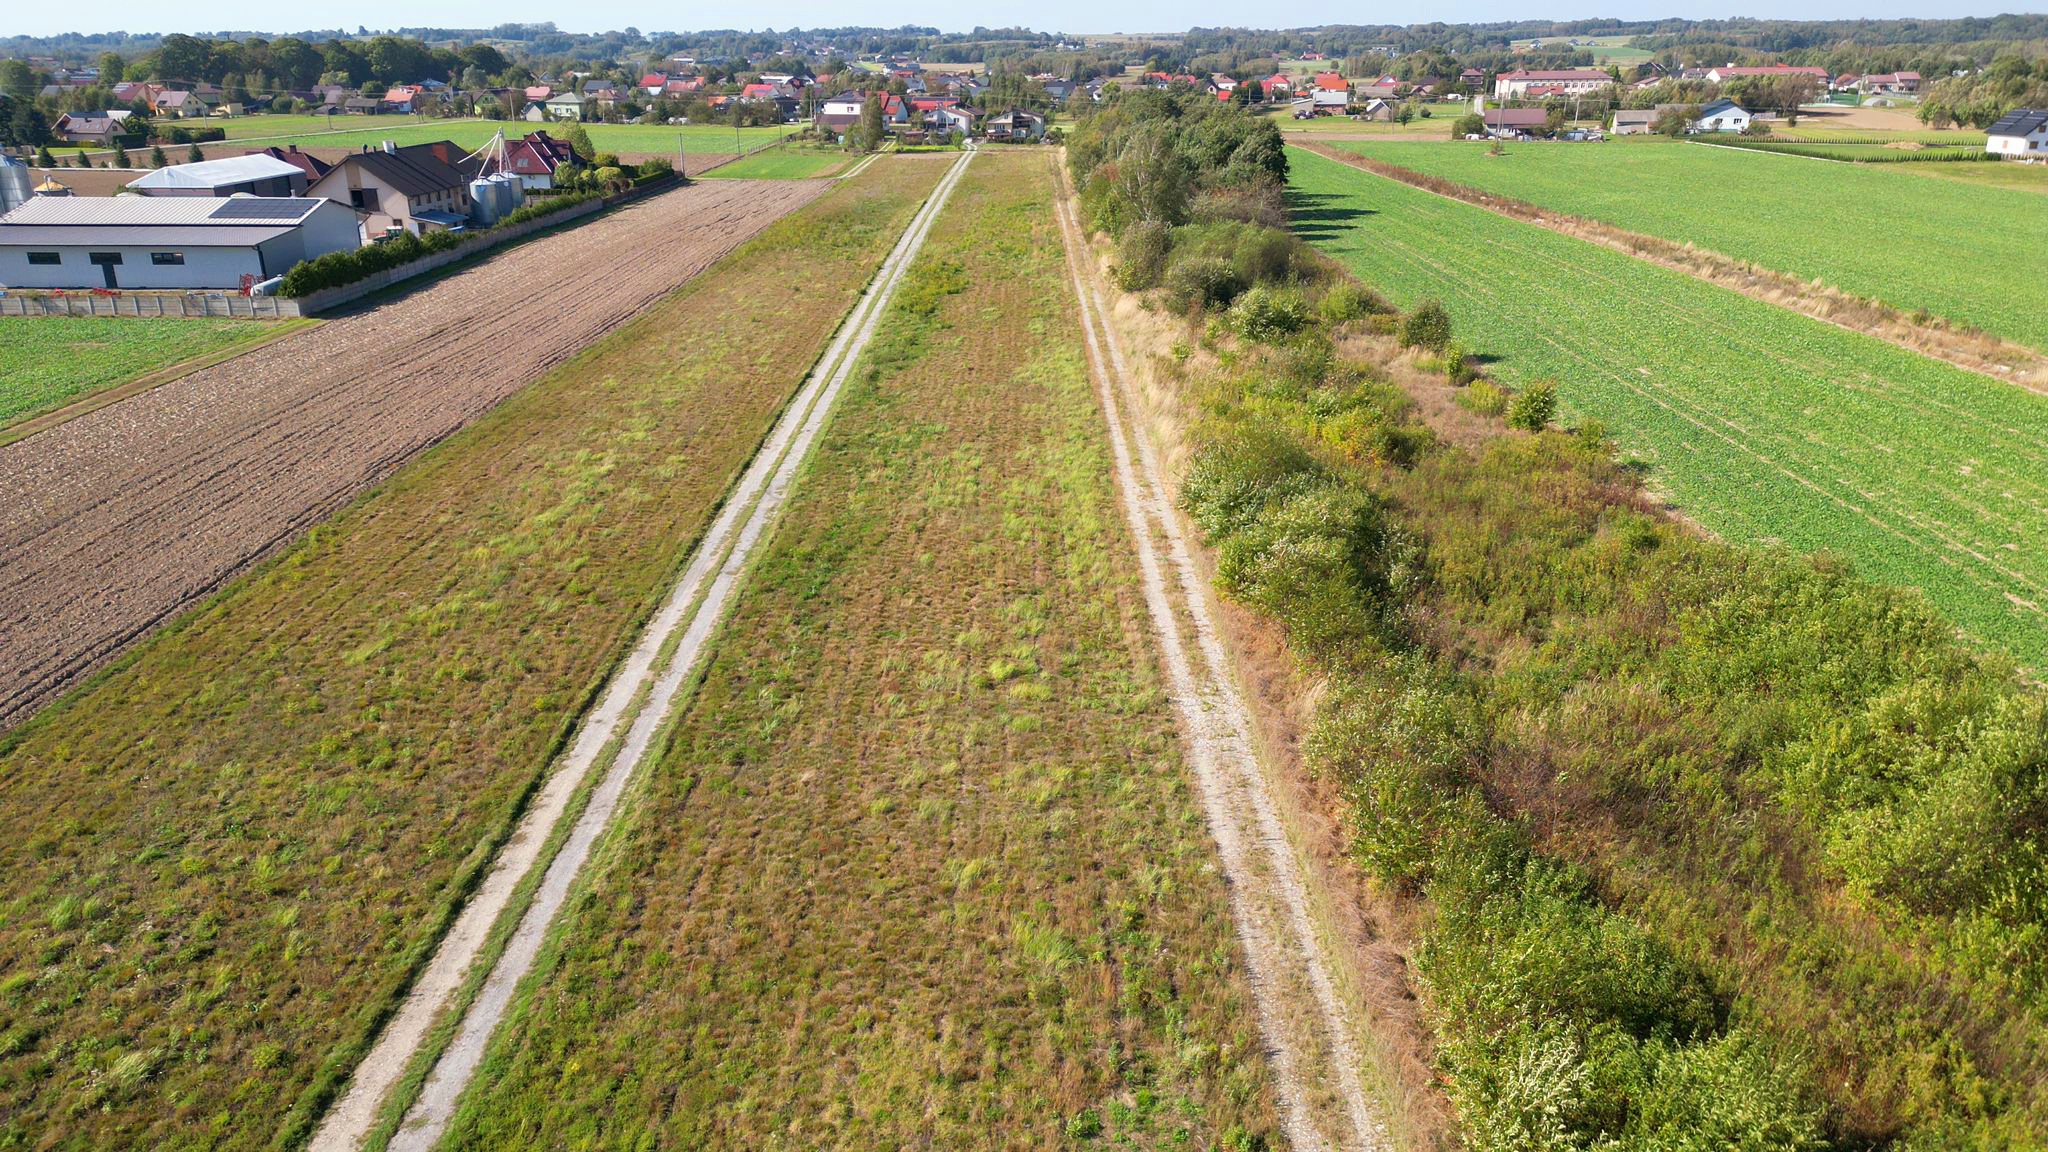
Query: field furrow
[(1872, 230), (129, 514), (1762, 424), (225, 858), (920, 866)]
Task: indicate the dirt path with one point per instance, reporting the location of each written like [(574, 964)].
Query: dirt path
[(1304, 1021), (635, 705), (120, 518)]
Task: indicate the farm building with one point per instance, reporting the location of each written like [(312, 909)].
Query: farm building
[(2020, 133), (1722, 116), (1514, 121), (417, 188), (156, 242), (1634, 121), (255, 175)]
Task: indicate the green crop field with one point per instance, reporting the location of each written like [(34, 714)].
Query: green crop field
[(921, 866), (1868, 229), (781, 164), (1760, 423), (1818, 133), (221, 859), (49, 361)]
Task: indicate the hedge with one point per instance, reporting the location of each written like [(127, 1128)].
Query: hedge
[(340, 268)]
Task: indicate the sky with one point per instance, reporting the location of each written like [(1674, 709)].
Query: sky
[(1077, 16)]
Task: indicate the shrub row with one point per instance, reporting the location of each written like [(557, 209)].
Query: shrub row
[(337, 269), (1873, 156)]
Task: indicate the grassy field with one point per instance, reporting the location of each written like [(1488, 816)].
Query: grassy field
[(356, 131), (1437, 126), (224, 857), (920, 866), (781, 164), (1762, 424), (1869, 230), (47, 362)]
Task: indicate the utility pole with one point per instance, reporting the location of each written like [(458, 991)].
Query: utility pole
[(682, 161)]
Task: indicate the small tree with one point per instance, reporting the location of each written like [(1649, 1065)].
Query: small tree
[(120, 157), (1675, 121), (43, 157), (579, 143), (1429, 326), (1470, 124), (193, 155), (1533, 407), (83, 162), (157, 159)]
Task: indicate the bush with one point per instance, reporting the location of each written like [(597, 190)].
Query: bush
[(1429, 326), (1533, 407), (1268, 314), (1346, 301), (1457, 364), (1470, 124), (341, 268), (1484, 397), (1141, 257), (1201, 281)]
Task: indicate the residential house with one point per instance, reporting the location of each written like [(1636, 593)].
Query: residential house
[(535, 93), (254, 175), (362, 106), (1331, 93), (418, 188), (652, 83), (535, 157), (1566, 81), (179, 105), (136, 92), (1060, 91), (1634, 121), (1722, 116), (1277, 86), (120, 242), (1382, 88), (566, 106), (1375, 109), (1890, 84), (950, 118), (2019, 134), (1473, 79), (406, 99), (1016, 124), (840, 114), (99, 128)]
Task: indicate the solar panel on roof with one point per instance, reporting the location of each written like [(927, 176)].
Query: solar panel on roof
[(246, 208)]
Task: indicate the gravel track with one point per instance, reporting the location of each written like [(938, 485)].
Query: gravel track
[(119, 519), (1309, 1035)]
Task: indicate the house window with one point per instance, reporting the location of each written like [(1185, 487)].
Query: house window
[(162, 258), (46, 258), (363, 199)]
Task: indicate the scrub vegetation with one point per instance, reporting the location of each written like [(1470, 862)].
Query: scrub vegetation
[(920, 864), (47, 362), (225, 857), (1763, 425), (1708, 846), (1871, 230)]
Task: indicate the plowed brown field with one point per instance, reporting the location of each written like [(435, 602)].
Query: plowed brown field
[(115, 521)]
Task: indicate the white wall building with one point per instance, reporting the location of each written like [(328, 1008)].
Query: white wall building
[(1722, 116), (253, 175), (182, 242), (2019, 134)]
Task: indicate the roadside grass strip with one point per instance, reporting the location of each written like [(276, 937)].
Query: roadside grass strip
[(1968, 252), (1311, 1037), (1762, 425), (641, 695), (919, 865), (225, 859)]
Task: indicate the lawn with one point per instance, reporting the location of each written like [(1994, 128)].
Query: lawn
[(355, 131), (781, 164), (223, 858), (47, 362), (1763, 425), (1868, 229), (920, 866)]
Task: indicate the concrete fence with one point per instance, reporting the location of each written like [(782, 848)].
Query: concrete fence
[(327, 299), (152, 304)]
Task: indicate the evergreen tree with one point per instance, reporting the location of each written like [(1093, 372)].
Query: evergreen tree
[(193, 155), (157, 159), (120, 159)]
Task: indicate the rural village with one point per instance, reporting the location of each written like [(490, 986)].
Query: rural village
[(1422, 587)]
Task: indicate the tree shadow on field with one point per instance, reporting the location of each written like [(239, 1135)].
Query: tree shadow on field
[(1320, 216)]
